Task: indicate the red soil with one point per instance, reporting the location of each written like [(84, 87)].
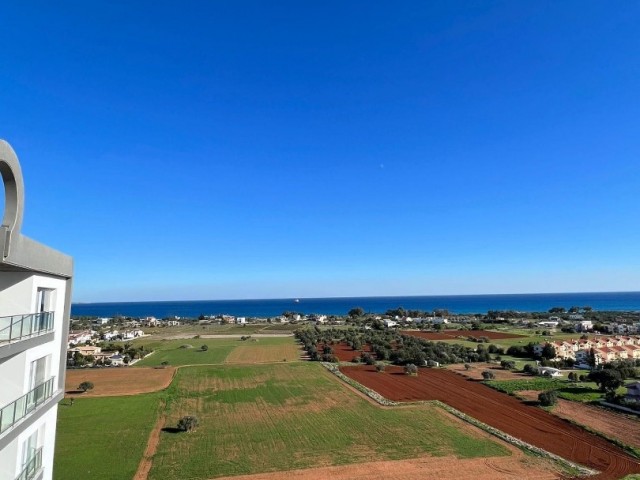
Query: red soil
[(528, 423), (451, 334), (344, 352)]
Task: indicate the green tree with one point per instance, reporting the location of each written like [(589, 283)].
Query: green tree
[(204, 348), (410, 369), (488, 375), (356, 312), (548, 399), (548, 352), (607, 380), (85, 386), (188, 423)]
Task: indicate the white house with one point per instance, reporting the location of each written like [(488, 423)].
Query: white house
[(584, 326), (440, 321), (35, 300), (389, 323), (98, 322), (241, 320), (549, 372)]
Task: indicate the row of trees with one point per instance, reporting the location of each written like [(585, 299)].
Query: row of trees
[(388, 345)]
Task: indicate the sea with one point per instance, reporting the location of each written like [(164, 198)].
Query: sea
[(460, 304)]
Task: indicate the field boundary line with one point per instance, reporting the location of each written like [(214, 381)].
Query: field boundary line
[(146, 462), (457, 413)]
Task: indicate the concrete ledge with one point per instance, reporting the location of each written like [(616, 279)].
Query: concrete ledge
[(10, 435), (13, 348)]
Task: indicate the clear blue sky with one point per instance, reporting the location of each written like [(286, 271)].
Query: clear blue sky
[(211, 150)]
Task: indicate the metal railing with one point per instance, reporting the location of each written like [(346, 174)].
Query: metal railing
[(19, 327), (32, 467), (23, 406)]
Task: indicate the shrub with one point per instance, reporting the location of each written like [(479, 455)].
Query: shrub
[(84, 386), (368, 359), (380, 367), (487, 375), (188, 423), (530, 369), (410, 369), (508, 364), (548, 399), (204, 348), (467, 366)]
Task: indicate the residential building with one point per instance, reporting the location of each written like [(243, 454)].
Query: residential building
[(35, 299)]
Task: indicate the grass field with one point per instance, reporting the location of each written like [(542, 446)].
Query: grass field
[(272, 350), (578, 392), (103, 438), (229, 329), (171, 351), (285, 416), (218, 350)]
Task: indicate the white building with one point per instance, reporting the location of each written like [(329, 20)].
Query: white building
[(35, 299)]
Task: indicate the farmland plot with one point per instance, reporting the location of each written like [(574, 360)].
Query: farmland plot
[(286, 416)]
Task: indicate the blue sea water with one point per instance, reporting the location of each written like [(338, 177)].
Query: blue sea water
[(621, 301)]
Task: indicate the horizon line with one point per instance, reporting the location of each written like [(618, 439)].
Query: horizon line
[(358, 297)]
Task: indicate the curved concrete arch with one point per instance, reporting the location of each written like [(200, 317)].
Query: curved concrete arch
[(13, 189)]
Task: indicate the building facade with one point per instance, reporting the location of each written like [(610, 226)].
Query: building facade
[(35, 301)]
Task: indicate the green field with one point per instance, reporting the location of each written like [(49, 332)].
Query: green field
[(171, 351), (229, 329), (286, 416), (578, 392), (103, 438), (218, 350)]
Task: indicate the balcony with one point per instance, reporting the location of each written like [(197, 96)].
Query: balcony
[(20, 327), (23, 406), (32, 467)]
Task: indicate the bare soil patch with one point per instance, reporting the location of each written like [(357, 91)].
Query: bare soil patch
[(110, 382), (475, 372), (452, 334), (621, 427), (528, 423), (344, 352), (443, 468)]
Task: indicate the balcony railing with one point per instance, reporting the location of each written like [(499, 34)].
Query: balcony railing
[(20, 408), (32, 467), (20, 327)]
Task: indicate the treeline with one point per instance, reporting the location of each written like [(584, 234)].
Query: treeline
[(391, 346)]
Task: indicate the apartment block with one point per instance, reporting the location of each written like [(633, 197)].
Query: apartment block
[(35, 301)]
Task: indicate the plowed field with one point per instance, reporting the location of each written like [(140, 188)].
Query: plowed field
[(344, 352), (452, 334), (528, 423), (116, 381)]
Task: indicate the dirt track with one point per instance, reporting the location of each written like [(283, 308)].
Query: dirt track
[(441, 468), (452, 334), (528, 423)]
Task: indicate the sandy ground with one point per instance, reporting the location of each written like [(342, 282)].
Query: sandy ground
[(624, 428), (441, 468), (115, 381), (475, 372)]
